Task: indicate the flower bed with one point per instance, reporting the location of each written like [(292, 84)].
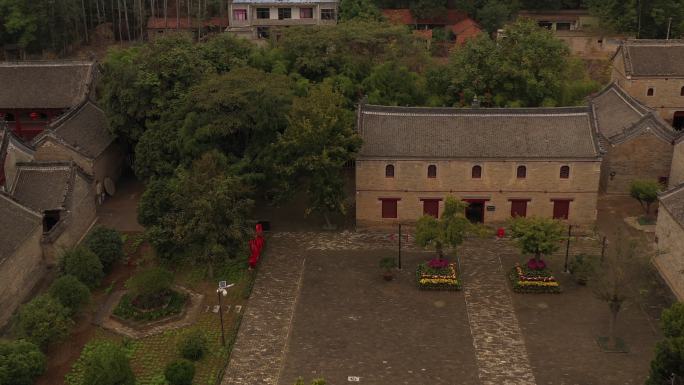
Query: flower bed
[(437, 277), (126, 309), (526, 280)]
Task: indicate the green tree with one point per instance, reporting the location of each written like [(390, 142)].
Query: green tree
[(20, 362), (82, 264), (494, 13), (150, 283), (107, 364), (43, 321), (70, 292), (206, 219), (668, 365), (359, 9), (427, 9), (107, 244), (180, 372), (646, 193), (317, 381), (394, 85), (318, 141), (672, 321), (449, 230), (537, 236)]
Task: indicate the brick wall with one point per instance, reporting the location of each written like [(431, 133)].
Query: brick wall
[(14, 156), (677, 170), (670, 260), (498, 184), (644, 157), (19, 273)]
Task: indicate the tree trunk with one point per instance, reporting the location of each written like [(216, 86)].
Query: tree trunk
[(615, 305), (538, 256), (166, 16), (128, 28), (177, 14), (97, 8), (189, 4), (152, 13), (199, 19), (118, 9), (438, 249), (648, 209), (85, 20)]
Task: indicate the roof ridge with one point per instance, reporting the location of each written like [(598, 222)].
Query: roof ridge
[(558, 111), (11, 199)]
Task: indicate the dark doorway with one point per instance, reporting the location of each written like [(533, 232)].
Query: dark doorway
[(678, 120), (431, 207), (519, 208), (561, 209), (475, 211), (50, 219)]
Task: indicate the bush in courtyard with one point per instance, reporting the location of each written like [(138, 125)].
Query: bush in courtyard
[(537, 236), (43, 321), (180, 372), (645, 192), (70, 292), (316, 381), (148, 286), (84, 265), (668, 362), (20, 362), (107, 244), (193, 346), (107, 364), (672, 321)]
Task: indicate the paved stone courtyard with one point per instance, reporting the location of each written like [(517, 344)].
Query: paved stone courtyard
[(320, 309)]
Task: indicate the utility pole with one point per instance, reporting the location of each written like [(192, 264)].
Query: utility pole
[(399, 264), (639, 20), (567, 248)]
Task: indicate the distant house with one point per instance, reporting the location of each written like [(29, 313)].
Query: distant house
[(578, 29), (652, 72), (453, 21), (503, 162), (638, 142), (260, 19), (50, 208), (158, 26), (82, 135), (34, 94)]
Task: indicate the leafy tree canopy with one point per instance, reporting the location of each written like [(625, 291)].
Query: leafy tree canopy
[(644, 19), (449, 230), (107, 244), (646, 192), (83, 264), (537, 236), (43, 321), (107, 364), (359, 10), (20, 362), (70, 292)]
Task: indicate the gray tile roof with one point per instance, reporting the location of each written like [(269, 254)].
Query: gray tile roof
[(620, 117), (653, 57), (44, 84), (43, 186), (527, 133), (85, 129), (17, 223), (673, 201)]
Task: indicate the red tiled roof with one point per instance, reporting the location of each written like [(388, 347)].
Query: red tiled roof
[(404, 16), (465, 30), (158, 22)]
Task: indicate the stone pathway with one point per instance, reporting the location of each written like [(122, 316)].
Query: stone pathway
[(347, 240), (499, 346), (259, 350)]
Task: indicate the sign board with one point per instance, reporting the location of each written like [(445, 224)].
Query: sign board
[(353, 379), (491, 208), (223, 284)]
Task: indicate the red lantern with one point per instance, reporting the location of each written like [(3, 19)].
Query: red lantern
[(34, 116), (500, 232)]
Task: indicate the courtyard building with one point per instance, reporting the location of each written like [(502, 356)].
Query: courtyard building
[(50, 207), (651, 71), (260, 19), (637, 141), (12, 151), (34, 94), (543, 162), (578, 29), (670, 239)]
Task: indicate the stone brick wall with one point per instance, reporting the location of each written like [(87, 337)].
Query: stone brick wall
[(498, 184), (677, 170), (644, 157), (19, 273), (670, 260), (50, 151), (108, 164), (14, 155)]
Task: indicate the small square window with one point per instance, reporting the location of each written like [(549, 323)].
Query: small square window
[(389, 208), (650, 92), (263, 13), (476, 172), (521, 173), (389, 171), (565, 172), (327, 14), (240, 14), (306, 13), (432, 171), (284, 13)]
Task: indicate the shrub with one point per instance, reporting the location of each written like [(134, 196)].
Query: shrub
[(107, 244), (127, 310), (672, 321), (70, 292), (84, 265), (582, 267), (668, 362), (180, 372), (193, 346), (149, 284), (43, 321), (106, 364), (20, 362)]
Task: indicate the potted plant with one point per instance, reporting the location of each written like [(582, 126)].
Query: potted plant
[(388, 264)]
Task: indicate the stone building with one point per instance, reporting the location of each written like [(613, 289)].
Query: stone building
[(33, 94), (260, 19), (504, 162), (50, 208), (456, 23), (638, 142), (670, 239), (82, 135), (12, 151), (651, 71)]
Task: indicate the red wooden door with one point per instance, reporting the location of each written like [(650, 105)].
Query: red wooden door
[(389, 208), (518, 208), (561, 208), (431, 207)]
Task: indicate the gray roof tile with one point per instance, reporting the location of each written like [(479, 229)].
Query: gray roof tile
[(43, 186), (653, 57), (673, 201), (44, 84), (16, 224), (528, 133)]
